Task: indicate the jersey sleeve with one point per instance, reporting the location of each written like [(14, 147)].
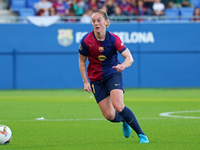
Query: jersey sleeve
[(119, 44), (83, 50)]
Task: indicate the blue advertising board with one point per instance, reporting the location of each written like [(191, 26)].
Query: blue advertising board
[(165, 54)]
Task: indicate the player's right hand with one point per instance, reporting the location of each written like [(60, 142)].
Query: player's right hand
[(87, 87)]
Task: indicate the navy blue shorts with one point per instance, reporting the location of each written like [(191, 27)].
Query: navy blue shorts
[(101, 88)]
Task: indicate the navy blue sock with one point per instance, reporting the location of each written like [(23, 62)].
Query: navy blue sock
[(130, 118), (117, 118)]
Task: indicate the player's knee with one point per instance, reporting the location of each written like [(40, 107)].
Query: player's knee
[(119, 108), (109, 116)]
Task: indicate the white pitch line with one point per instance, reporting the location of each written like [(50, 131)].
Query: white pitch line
[(92, 119), (166, 114), (37, 119), (169, 114)]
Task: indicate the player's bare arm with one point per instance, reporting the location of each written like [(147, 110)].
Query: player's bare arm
[(127, 62), (82, 67)]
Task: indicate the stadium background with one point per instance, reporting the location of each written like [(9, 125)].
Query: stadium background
[(165, 54)]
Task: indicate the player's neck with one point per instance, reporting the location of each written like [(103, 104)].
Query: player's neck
[(100, 36)]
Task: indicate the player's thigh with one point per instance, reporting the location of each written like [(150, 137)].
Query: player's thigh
[(117, 96), (107, 108), (116, 87)]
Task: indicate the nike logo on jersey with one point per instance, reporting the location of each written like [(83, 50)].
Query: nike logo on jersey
[(91, 45), (117, 84)]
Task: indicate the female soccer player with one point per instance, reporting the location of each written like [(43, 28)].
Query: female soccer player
[(104, 72)]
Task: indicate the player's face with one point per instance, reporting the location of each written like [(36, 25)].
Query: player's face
[(98, 22)]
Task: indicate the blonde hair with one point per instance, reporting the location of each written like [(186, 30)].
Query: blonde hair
[(105, 15)]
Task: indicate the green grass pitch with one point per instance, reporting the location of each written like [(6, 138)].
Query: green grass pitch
[(73, 120)]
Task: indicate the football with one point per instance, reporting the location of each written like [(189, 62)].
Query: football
[(5, 135)]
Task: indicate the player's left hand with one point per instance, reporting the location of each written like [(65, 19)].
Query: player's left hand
[(119, 67)]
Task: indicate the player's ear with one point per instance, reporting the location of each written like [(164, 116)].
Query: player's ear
[(107, 22)]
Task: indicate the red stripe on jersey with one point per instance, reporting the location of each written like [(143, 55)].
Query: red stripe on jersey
[(95, 65)]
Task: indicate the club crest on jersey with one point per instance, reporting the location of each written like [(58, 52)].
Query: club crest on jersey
[(101, 49), (101, 57), (65, 37)]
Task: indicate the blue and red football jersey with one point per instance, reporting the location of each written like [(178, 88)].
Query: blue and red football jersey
[(102, 55)]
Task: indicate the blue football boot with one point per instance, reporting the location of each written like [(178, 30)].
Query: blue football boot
[(143, 138), (126, 129)]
